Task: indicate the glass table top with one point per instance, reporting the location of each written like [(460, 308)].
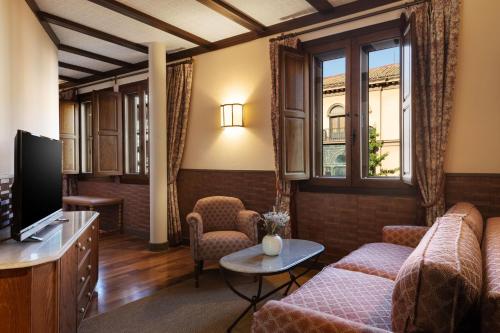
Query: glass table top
[(252, 260)]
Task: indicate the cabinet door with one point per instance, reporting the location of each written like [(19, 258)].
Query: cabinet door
[(108, 147), (69, 136)]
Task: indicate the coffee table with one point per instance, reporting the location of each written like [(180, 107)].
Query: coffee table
[(252, 261)]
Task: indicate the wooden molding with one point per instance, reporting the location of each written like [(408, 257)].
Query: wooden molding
[(36, 10), (91, 55), (91, 32), (67, 78), (234, 14), (79, 68), (322, 6), (151, 21)]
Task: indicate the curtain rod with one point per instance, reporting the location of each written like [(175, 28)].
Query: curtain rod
[(114, 78), (348, 20)]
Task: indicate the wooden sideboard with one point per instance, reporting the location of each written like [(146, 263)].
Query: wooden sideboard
[(48, 286)]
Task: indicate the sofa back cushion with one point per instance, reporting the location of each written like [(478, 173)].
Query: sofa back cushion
[(490, 305), (219, 213), (440, 282), (471, 216)]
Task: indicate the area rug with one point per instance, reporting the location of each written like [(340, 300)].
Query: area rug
[(183, 308)]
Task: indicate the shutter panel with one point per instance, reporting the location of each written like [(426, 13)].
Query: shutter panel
[(108, 140), (407, 109), (294, 110), (68, 134)]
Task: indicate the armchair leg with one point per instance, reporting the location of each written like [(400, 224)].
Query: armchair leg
[(198, 269)]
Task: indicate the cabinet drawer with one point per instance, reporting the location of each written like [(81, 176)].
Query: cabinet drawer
[(84, 269), (83, 244), (84, 298)]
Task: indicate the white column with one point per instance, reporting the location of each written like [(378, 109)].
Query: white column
[(158, 146)]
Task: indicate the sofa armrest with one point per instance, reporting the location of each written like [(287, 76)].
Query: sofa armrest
[(490, 304), (247, 223), (281, 317), (407, 235)]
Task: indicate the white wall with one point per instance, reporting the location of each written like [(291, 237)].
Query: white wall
[(28, 79)]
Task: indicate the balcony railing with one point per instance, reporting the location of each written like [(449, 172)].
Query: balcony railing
[(334, 135)]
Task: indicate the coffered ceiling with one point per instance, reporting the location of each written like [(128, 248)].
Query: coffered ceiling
[(104, 38)]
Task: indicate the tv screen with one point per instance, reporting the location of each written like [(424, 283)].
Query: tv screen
[(37, 188)]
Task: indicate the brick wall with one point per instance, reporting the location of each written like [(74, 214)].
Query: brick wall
[(135, 208), (5, 200)]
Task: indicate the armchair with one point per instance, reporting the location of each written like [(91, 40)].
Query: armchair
[(219, 226)]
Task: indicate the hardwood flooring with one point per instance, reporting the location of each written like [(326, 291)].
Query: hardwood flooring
[(128, 271)]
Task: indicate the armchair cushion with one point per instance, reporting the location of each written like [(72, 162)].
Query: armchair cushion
[(247, 223), (218, 212), (215, 244), (406, 235), (380, 259)]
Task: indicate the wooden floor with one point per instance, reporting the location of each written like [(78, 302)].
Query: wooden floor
[(128, 271)]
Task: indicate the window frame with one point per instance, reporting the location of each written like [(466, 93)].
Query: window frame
[(351, 41), (140, 88)]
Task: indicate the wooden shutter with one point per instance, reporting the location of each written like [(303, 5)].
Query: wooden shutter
[(68, 134), (294, 107), (407, 109), (108, 140)]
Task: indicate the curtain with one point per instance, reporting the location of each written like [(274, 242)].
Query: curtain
[(436, 37), (283, 188), (179, 82)]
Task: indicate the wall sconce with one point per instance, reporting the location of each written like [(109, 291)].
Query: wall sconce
[(231, 115)]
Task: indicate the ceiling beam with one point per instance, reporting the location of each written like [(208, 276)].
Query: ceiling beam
[(322, 6), (79, 68), (151, 21), (107, 74), (92, 32), (67, 78), (91, 55), (48, 29), (234, 14)]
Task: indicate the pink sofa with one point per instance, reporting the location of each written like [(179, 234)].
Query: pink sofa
[(418, 279)]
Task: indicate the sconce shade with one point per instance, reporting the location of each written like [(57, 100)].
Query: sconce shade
[(231, 115)]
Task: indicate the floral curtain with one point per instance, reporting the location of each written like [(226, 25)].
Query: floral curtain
[(436, 29), (179, 82), (283, 188)]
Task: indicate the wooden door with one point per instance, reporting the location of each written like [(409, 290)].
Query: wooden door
[(108, 140), (69, 136), (294, 109)]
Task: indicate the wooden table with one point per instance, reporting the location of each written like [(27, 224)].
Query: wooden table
[(76, 201)]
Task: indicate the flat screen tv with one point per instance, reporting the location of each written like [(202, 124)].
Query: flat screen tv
[(37, 187)]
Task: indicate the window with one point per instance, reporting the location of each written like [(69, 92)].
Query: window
[(357, 123), (86, 141), (135, 128)]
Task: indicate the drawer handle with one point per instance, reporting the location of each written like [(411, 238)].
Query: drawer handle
[(89, 294), (93, 227), (89, 239), (83, 248), (79, 245), (82, 310), (82, 279), (89, 267)]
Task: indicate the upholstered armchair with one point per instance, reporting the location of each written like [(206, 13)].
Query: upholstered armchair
[(219, 226)]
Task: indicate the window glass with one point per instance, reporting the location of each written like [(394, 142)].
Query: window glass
[(333, 115), (132, 134), (380, 109), (86, 140)]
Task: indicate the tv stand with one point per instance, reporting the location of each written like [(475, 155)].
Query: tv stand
[(34, 238), (48, 286)]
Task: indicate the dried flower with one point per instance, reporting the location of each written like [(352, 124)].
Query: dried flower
[(273, 222)]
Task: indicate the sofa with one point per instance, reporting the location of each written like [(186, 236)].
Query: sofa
[(418, 279)]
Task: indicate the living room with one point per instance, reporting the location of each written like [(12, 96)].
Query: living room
[(219, 155)]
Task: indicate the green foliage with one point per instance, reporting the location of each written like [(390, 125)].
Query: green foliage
[(376, 159)]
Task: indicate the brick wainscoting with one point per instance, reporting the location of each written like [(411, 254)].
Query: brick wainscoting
[(135, 208)]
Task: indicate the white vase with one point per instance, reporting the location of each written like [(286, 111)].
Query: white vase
[(272, 245)]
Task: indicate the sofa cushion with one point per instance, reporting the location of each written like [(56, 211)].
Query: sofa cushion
[(380, 259), (471, 216), (490, 305), (216, 244), (353, 296), (440, 282)]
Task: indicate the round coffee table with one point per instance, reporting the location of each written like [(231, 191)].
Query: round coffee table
[(252, 261)]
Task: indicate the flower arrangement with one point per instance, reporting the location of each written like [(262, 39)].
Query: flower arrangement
[(274, 222)]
